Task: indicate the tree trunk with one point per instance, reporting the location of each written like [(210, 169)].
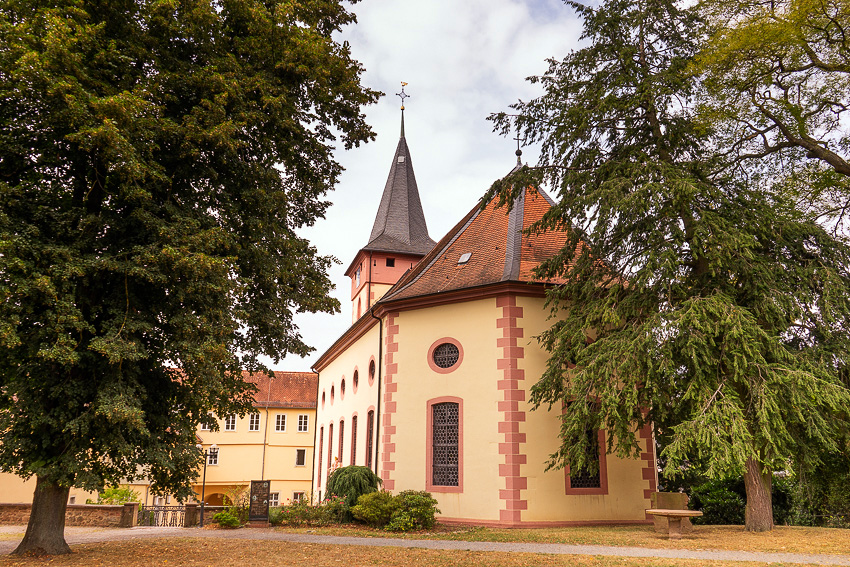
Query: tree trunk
[(759, 513), (46, 528)]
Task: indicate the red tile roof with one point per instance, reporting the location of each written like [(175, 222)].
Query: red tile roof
[(285, 390), (499, 251)]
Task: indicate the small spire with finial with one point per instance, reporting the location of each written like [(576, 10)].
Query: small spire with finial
[(402, 95), (518, 151)]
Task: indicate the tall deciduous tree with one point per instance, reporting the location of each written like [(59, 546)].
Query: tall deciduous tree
[(156, 159), (704, 304), (778, 84)]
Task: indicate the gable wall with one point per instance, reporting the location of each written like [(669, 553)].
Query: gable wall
[(471, 325)]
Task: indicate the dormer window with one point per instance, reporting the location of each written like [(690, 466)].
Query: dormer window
[(464, 258), (400, 159)]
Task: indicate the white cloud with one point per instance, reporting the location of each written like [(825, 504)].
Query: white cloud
[(463, 60)]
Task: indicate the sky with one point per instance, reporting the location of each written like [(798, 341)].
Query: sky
[(462, 60)]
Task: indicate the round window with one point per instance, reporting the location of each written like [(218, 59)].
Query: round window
[(371, 370), (332, 394), (446, 355), (342, 389), (356, 379), (323, 398)]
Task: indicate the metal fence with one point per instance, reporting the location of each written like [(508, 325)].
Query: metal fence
[(162, 516)]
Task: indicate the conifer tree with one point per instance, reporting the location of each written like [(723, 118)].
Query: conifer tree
[(156, 160), (692, 299)]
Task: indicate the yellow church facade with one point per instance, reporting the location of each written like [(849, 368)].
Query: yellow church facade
[(430, 385)]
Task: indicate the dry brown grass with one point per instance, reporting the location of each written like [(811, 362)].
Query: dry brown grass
[(226, 552), (783, 539)]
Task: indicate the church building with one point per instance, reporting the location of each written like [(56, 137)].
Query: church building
[(430, 385)]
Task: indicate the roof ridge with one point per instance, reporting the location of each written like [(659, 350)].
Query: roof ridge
[(411, 276)]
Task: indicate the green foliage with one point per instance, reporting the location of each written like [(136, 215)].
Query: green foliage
[(301, 512), (415, 510), (116, 495), (375, 508), (820, 496), (226, 520), (778, 87), (237, 502), (159, 160), (350, 483), (276, 516), (694, 298), (408, 510), (723, 501)]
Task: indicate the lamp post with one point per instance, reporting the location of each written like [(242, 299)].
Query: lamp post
[(211, 452)]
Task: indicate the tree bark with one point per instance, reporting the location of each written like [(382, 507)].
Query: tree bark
[(759, 512), (46, 528)]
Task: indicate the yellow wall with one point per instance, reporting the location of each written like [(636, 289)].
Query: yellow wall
[(473, 325), (546, 489), (15, 490), (241, 455), (354, 402)]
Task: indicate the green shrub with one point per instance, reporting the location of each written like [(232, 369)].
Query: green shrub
[(415, 509), (275, 516), (226, 520), (116, 495), (237, 502), (724, 501), (375, 508), (350, 483), (327, 512), (719, 501)]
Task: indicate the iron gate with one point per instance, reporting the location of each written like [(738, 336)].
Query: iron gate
[(162, 516)]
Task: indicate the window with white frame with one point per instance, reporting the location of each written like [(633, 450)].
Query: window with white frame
[(300, 457), (298, 496), (303, 422), (205, 427), (254, 422), (280, 422), (230, 423), (274, 498), (212, 456)]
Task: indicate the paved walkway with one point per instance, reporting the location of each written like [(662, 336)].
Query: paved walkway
[(93, 535)]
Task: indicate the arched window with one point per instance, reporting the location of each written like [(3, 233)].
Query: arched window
[(370, 427), (444, 465), (330, 447), (353, 438), (341, 439)]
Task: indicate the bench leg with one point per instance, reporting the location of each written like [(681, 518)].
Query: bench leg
[(674, 530)]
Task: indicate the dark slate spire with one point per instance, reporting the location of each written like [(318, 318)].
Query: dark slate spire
[(400, 223)]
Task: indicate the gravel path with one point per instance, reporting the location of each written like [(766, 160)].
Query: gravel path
[(93, 535)]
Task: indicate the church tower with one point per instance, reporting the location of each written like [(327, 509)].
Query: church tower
[(399, 236)]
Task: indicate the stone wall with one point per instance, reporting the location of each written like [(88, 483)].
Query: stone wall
[(77, 515)]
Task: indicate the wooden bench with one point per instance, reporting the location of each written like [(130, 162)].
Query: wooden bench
[(674, 519)]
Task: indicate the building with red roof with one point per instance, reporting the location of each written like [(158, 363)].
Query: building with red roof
[(430, 385)]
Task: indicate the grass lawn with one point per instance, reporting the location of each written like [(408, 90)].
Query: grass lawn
[(228, 552), (782, 539)]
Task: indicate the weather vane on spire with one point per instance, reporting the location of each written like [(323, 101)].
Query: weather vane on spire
[(402, 95), (518, 151)]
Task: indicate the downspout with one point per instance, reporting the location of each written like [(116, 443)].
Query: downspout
[(266, 429), (380, 373)]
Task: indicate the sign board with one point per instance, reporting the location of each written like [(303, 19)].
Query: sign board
[(258, 511)]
